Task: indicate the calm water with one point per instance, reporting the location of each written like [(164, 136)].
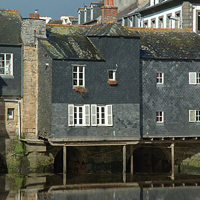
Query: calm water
[(100, 187)]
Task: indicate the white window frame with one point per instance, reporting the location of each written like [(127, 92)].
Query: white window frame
[(85, 115), (160, 78), (194, 78), (194, 116), (108, 115), (8, 70), (159, 116), (78, 76), (113, 74), (10, 116)]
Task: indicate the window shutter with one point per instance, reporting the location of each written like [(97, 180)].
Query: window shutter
[(70, 115), (109, 115), (94, 115), (192, 77), (87, 115), (192, 115)]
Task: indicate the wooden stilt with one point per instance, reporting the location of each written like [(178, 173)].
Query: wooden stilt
[(131, 153), (172, 160), (64, 165), (124, 163)]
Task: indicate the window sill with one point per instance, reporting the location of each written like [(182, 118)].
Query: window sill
[(80, 89), (112, 82), (6, 76)]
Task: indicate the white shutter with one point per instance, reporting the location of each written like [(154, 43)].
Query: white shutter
[(109, 115), (94, 115), (192, 78), (70, 115), (87, 115), (192, 115)]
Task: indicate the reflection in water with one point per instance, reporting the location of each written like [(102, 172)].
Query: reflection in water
[(108, 187)]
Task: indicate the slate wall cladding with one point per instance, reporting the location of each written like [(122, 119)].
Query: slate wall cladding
[(126, 120), (11, 85), (44, 92), (175, 97), (125, 95)]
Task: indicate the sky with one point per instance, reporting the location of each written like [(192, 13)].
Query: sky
[(51, 8)]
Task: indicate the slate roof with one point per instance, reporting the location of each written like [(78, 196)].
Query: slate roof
[(168, 43), (71, 48), (55, 21), (10, 27), (67, 29), (109, 30)]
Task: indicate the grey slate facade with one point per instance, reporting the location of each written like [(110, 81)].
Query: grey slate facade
[(123, 97)]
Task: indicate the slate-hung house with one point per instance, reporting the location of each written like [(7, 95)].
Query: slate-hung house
[(88, 80), (170, 83), (10, 73)]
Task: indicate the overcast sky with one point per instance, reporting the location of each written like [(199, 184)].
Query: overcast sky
[(51, 8)]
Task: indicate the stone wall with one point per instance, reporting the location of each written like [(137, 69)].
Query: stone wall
[(187, 10), (31, 28)]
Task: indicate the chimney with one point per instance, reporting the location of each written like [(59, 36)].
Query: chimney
[(109, 12), (31, 15)]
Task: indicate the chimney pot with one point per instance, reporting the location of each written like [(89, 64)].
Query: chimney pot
[(37, 16), (111, 2), (106, 2)]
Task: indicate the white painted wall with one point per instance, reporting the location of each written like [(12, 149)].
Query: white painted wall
[(163, 13), (195, 17)]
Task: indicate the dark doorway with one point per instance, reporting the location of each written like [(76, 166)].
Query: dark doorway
[(3, 167), (150, 160), (58, 162)]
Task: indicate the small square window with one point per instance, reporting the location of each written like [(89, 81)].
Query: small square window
[(10, 114), (112, 75), (194, 78), (159, 116), (160, 78)]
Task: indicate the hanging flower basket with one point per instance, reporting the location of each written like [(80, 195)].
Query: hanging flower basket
[(112, 82)]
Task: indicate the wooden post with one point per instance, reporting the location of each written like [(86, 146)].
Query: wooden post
[(64, 165), (124, 163), (64, 160), (172, 160), (131, 153)]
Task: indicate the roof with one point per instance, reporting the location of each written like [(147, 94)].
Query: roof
[(55, 21), (67, 29), (168, 43), (109, 30), (71, 48), (10, 31)]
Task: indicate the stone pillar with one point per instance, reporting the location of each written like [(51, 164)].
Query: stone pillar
[(187, 15)]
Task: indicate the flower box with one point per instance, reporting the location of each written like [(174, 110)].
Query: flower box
[(112, 82), (81, 89)]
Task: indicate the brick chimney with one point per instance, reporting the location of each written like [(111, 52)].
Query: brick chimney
[(36, 15), (108, 12)]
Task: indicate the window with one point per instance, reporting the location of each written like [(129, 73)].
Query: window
[(160, 78), (194, 115), (10, 113), (159, 116), (177, 21), (79, 115), (78, 76), (194, 78), (160, 22), (169, 21), (145, 24), (153, 23), (112, 75), (6, 64), (101, 115)]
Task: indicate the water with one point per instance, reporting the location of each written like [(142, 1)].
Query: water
[(99, 187)]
